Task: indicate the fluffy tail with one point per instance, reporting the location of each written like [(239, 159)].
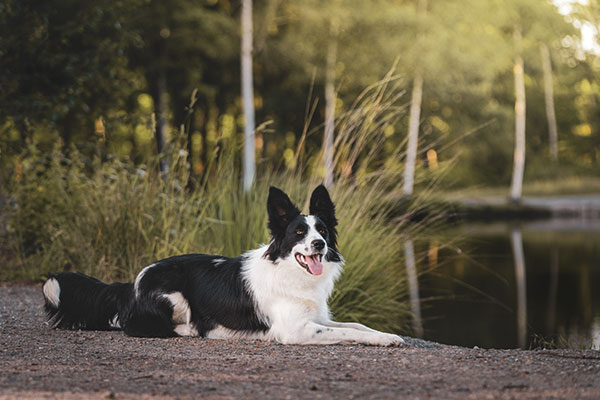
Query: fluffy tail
[(77, 301)]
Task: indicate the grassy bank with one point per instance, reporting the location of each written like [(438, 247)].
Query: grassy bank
[(109, 218)]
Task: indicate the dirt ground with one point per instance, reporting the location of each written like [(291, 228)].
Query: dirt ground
[(39, 362)]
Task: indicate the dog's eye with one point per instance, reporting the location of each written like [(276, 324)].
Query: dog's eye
[(322, 231), (299, 232)]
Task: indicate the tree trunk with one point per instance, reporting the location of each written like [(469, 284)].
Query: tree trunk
[(519, 155), (247, 93), (330, 99), (414, 120), (161, 131), (267, 18), (549, 96), (413, 135)]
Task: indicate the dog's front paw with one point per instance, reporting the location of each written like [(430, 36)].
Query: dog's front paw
[(388, 339)]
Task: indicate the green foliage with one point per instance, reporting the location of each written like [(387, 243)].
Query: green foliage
[(68, 65), (109, 218), (62, 61), (103, 219)]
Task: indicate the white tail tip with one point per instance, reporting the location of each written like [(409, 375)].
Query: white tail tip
[(51, 291)]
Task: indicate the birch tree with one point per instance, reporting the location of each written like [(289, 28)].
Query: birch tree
[(549, 100), (247, 93), (414, 120), (162, 123), (330, 99), (519, 153)]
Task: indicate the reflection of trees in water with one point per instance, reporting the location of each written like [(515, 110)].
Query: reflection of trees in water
[(413, 287), (552, 291), (516, 240), (490, 295)]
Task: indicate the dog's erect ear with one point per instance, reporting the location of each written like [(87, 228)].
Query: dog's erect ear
[(322, 206), (281, 211)]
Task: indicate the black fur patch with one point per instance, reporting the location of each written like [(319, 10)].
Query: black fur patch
[(87, 303), (281, 212), (216, 294), (284, 219)]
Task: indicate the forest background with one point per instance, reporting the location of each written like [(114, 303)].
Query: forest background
[(111, 75)]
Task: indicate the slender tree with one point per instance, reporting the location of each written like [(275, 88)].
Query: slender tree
[(549, 99), (161, 99), (162, 125), (247, 94), (519, 153), (330, 98), (414, 119)]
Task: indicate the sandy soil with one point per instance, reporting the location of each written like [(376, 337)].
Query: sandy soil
[(39, 362)]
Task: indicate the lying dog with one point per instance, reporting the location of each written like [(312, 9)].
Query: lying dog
[(276, 292)]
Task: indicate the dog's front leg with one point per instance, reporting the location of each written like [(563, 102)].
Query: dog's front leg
[(314, 333), (351, 325), (359, 327)]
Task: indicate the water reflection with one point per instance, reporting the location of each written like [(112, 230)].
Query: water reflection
[(413, 287), (512, 286), (552, 290), (516, 241)]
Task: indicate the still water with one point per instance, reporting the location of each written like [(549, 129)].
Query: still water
[(501, 285)]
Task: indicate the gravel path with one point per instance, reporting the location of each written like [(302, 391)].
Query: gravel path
[(39, 362)]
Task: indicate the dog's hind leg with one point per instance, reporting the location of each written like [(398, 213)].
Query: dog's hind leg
[(150, 318), (181, 314)]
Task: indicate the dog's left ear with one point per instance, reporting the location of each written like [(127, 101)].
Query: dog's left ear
[(281, 211), (322, 206)]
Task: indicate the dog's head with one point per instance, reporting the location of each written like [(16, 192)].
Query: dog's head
[(309, 240)]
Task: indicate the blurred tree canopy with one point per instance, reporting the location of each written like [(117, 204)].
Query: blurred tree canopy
[(88, 74)]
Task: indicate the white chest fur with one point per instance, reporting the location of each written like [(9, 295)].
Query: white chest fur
[(286, 294)]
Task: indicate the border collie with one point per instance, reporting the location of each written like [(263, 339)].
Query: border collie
[(276, 292)]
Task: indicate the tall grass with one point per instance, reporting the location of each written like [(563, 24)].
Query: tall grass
[(109, 219)]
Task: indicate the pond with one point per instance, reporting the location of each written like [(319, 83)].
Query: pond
[(511, 285)]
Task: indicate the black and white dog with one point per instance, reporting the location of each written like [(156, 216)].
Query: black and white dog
[(276, 292)]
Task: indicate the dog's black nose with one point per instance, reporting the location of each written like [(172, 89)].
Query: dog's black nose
[(318, 244)]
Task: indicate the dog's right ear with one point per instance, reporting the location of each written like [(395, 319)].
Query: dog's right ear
[(281, 211)]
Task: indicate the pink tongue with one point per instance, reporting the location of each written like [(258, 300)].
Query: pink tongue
[(315, 266)]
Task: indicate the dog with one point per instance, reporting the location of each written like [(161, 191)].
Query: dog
[(277, 292)]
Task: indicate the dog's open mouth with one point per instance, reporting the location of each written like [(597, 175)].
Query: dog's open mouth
[(313, 263)]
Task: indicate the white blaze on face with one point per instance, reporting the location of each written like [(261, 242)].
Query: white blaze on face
[(313, 234), (305, 255)]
